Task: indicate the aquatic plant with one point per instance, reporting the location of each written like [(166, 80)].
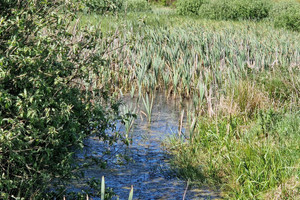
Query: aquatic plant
[(148, 105), (128, 120), (130, 197), (197, 57), (102, 188), (131, 194), (103, 194)]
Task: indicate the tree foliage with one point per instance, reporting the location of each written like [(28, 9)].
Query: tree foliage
[(47, 102), (103, 6)]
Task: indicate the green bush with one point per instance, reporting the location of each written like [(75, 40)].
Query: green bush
[(163, 2), (103, 6), (215, 9), (235, 9), (114, 6), (286, 15), (188, 7), (47, 102), (136, 5)]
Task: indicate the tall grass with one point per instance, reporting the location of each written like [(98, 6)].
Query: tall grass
[(248, 162), (196, 59), (148, 104)]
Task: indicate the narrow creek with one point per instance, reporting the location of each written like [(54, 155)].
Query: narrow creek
[(145, 164)]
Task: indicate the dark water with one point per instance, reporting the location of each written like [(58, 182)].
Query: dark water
[(145, 165)]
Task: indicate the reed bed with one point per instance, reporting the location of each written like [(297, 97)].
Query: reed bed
[(193, 60)]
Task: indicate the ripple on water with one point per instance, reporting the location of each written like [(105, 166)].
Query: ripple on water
[(147, 166)]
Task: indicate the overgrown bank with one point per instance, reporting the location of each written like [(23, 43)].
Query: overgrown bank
[(250, 147)]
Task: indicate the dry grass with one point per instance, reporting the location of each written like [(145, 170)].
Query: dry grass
[(288, 190), (245, 97)]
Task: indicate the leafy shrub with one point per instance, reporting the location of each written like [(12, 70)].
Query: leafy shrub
[(164, 2), (47, 103), (103, 6), (215, 9), (235, 9), (287, 15), (136, 5), (188, 7)]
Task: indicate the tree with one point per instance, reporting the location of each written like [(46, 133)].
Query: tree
[(47, 102)]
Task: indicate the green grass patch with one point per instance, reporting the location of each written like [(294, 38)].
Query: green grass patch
[(245, 159)]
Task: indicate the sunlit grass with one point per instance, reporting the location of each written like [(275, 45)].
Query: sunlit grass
[(247, 162)]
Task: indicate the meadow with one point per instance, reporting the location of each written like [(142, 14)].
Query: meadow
[(240, 70)]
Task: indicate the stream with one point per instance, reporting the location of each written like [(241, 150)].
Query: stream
[(145, 164)]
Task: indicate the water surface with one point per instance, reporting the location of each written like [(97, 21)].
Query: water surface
[(145, 164)]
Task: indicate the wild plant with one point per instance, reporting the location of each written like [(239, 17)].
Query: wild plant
[(128, 119), (148, 105)]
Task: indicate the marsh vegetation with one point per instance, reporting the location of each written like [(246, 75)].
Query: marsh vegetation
[(236, 62)]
